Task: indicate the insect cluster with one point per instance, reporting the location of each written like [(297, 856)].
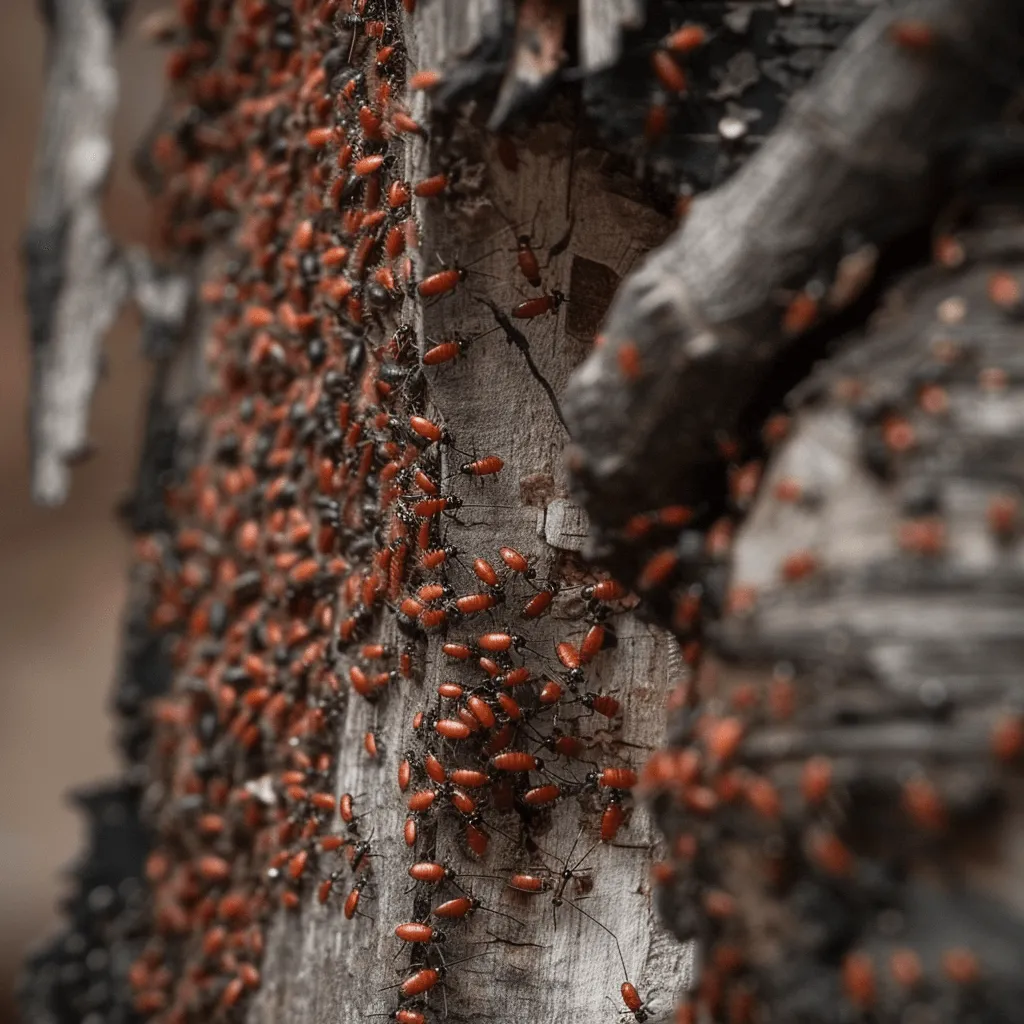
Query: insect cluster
[(310, 573), (826, 800)]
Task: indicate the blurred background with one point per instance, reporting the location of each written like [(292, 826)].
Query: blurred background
[(63, 570)]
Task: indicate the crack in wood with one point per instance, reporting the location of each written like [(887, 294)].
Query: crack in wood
[(516, 337)]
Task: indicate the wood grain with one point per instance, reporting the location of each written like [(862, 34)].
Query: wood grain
[(319, 969)]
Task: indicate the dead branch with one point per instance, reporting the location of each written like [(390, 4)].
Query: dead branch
[(76, 283), (854, 159)]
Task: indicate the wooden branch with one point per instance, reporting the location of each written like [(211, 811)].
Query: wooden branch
[(707, 314), (76, 283), (899, 490)]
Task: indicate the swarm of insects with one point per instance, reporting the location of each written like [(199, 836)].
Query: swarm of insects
[(310, 586), (840, 759), (309, 581)]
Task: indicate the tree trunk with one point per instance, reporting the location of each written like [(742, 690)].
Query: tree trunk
[(691, 361)]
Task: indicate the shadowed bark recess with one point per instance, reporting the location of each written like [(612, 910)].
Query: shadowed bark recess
[(364, 634)]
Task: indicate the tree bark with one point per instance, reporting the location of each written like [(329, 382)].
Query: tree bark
[(696, 352)]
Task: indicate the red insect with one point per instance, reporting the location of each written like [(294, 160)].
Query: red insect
[(232, 992), (431, 592), (422, 981), (592, 644), (473, 603), (529, 883), (414, 931), (441, 283), (352, 900), (685, 39), (656, 121), (431, 872), (436, 557), (485, 572), (421, 800), (452, 729), (476, 839), (481, 711), (443, 352), (542, 796), (517, 677), (456, 909), (601, 703), (434, 768), (912, 35), (538, 306), (527, 260), (469, 778), (517, 761), (368, 165), (429, 430), (605, 590), (568, 655), (434, 506), (346, 808), (657, 569), (516, 562), (628, 357), (538, 604), (633, 1002), (404, 1016), (614, 778), (498, 642), (430, 187), (462, 906), (323, 893), (611, 821), (551, 692), (322, 801), (668, 72), (317, 138), (486, 466), (462, 802), (297, 865), (509, 706), (425, 79)]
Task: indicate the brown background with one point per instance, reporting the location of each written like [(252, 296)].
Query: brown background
[(61, 571)]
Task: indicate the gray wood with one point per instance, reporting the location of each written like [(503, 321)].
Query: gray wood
[(601, 25), (322, 969), (904, 663), (450, 31), (76, 283), (873, 124), (853, 154)]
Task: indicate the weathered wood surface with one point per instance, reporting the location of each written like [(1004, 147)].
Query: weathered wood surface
[(904, 643), (78, 278), (75, 282), (601, 25), (477, 45), (318, 970), (854, 159)]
